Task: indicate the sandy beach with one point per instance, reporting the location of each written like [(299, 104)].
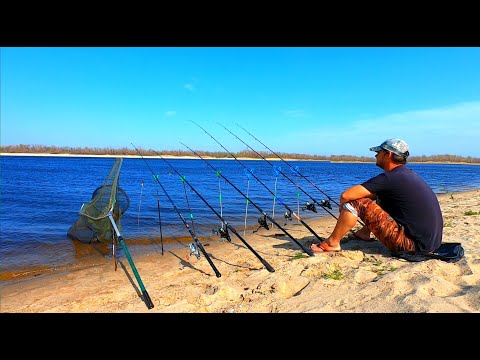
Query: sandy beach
[(363, 278)]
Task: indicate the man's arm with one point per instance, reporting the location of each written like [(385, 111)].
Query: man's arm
[(354, 193)]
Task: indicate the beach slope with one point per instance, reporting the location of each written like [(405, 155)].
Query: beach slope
[(362, 278)]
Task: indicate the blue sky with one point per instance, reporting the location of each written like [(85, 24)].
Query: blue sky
[(322, 101)]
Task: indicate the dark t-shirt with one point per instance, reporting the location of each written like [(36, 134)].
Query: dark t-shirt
[(411, 203)]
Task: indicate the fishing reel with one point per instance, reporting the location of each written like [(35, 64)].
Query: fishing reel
[(310, 206), (223, 233), (287, 216), (194, 250), (262, 220), (326, 203)]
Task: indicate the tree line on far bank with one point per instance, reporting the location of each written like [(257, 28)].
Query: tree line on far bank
[(43, 149)]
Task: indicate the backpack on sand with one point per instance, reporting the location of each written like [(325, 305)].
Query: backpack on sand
[(449, 252)]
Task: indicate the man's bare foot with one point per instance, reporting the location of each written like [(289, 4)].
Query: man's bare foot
[(357, 236), (361, 234)]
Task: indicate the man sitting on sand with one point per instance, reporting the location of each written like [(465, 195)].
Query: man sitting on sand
[(406, 215)]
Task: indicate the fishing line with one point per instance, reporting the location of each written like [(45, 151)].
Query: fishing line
[(188, 203), (220, 195), (307, 250), (197, 244), (289, 210), (155, 245), (298, 204), (246, 205), (159, 219), (295, 172), (324, 204), (275, 190), (225, 226), (308, 205), (138, 217)]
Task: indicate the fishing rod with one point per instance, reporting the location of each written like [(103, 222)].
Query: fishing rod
[(264, 214), (223, 232), (274, 153), (296, 170), (289, 210), (324, 204), (146, 297), (195, 239)]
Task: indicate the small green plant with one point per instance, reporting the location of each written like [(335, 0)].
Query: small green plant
[(448, 224), (384, 269), (334, 274), (470, 212), (297, 256), (374, 261)]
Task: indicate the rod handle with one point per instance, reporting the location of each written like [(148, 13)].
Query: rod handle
[(267, 266), (308, 251), (147, 299)]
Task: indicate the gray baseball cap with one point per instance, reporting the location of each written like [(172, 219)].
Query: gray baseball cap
[(396, 146)]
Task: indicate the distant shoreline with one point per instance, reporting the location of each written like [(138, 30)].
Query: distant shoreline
[(151, 157), (216, 158)]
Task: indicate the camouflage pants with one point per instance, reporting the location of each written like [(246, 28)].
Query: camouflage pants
[(382, 225)]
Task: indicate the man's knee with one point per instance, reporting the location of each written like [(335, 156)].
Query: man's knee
[(360, 204), (349, 207), (362, 207)]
